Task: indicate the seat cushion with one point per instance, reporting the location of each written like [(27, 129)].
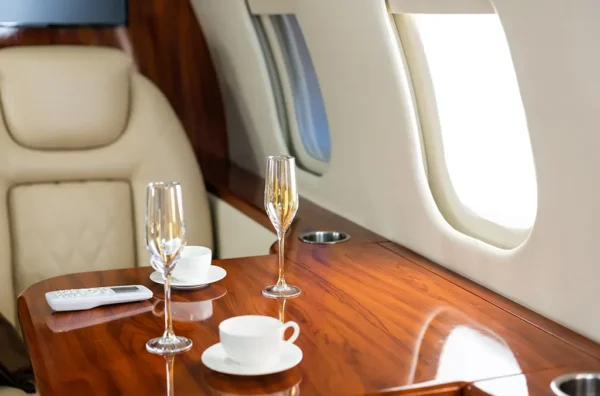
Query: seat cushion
[(76, 227), (12, 392), (44, 111)]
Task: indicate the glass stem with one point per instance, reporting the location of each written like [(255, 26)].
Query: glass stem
[(170, 362), (282, 309), (281, 280), (168, 334)]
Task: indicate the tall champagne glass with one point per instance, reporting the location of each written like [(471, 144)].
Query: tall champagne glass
[(165, 239), (281, 204)]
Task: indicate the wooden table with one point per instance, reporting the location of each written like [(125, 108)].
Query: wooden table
[(371, 321)]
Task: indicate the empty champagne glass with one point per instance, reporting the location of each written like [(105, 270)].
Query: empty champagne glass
[(165, 239), (281, 204)]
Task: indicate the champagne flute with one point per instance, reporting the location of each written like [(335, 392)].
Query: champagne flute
[(281, 204), (165, 239)]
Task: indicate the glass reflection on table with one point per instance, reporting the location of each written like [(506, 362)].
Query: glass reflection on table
[(191, 311), (169, 366)]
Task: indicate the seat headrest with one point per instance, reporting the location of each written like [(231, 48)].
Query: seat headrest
[(64, 98)]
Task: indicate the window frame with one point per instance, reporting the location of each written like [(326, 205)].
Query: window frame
[(276, 83), (455, 213), (283, 88)]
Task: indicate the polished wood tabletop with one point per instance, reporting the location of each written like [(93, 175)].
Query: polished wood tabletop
[(532, 384), (371, 321)]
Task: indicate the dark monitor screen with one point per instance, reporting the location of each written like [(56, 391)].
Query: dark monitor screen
[(63, 12)]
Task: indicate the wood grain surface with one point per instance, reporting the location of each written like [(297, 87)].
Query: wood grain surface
[(579, 341), (532, 384), (167, 45), (371, 322)]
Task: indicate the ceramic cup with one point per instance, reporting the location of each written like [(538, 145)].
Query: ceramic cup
[(193, 264), (255, 340)]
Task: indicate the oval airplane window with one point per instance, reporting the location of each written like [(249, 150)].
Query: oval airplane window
[(480, 164), (307, 125)]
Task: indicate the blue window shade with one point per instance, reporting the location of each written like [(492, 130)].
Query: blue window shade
[(308, 100)]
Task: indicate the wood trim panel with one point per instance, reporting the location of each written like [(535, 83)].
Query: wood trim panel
[(450, 389), (577, 340), (167, 45)]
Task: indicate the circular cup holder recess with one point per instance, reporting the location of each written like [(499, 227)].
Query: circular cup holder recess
[(324, 237), (577, 384)]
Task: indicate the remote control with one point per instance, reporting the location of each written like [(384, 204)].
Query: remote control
[(80, 299)]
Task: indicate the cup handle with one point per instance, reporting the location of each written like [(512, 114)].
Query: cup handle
[(294, 326)]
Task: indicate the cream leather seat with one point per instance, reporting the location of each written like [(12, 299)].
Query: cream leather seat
[(82, 135), (12, 392)]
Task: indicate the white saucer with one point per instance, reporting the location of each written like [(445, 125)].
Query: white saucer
[(214, 274), (216, 359)]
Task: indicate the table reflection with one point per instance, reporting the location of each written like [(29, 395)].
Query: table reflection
[(281, 384), (190, 311), (469, 351), (60, 322)]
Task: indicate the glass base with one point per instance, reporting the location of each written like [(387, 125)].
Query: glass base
[(167, 346), (281, 292)]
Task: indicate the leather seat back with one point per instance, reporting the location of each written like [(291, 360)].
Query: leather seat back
[(82, 135)]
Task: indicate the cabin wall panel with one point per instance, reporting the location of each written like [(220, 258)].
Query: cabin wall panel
[(237, 235), (252, 124), (376, 176)]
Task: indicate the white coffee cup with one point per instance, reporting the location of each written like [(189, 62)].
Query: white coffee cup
[(193, 264), (255, 340)]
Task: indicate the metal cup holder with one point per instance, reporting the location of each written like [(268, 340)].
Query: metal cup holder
[(324, 237), (577, 384)]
